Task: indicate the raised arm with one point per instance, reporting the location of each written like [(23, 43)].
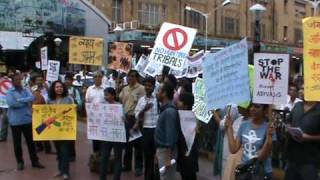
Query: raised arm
[(267, 147), (234, 143)]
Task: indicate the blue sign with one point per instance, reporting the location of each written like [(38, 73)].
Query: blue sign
[(226, 76)]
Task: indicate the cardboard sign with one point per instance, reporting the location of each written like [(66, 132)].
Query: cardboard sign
[(311, 56), (44, 58), (53, 70), (153, 68), (5, 85), (271, 78), (105, 122), (172, 45), (120, 56), (188, 127), (86, 50), (226, 76), (54, 122), (141, 65)]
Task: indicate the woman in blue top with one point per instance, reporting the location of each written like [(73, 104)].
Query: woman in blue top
[(254, 136), (58, 94)]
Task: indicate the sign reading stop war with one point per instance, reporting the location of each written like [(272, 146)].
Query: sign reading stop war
[(226, 76), (271, 78), (311, 59), (172, 45), (86, 50)]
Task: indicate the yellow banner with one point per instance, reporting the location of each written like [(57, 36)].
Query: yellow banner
[(54, 122), (311, 61), (86, 50)]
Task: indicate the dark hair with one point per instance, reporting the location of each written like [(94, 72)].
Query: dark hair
[(136, 74), (172, 79), (52, 93), (110, 91), (293, 85), (168, 88), (151, 80), (14, 76), (186, 85), (68, 76), (187, 99)]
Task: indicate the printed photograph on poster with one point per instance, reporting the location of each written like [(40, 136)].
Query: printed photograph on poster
[(53, 70), (153, 69), (271, 78), (120, 56), (54, 122), (44, 58), (105, 122), (5, 85), (141, 65)]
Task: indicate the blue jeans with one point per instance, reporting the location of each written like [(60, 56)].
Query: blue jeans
[(106, 148), (63, 156)]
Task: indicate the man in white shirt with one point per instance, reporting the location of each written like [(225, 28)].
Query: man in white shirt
[(95, 94), (292, 99), (147, 113)]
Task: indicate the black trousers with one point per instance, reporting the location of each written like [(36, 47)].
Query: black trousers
[(296, 171), (44, 145), (149, 153), (138, 154), (96, 146), (17, 132), (72, 149), (106, 148), (63, 156)]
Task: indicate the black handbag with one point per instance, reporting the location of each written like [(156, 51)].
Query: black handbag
[(252, 170)]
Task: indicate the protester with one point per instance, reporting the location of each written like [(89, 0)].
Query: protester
[(129, 97), (19, 100), (146, 113), (255, 137), (187, 164), (58, 94), (106, 147), (304, 146), (78, 82), (301, 93), (95, 94), (166, 132), (4, 120), (292, 98)]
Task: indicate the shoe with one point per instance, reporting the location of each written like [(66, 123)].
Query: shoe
[(58, 174), (38, 165), (65, 177), (3, 139), (20, 167), (138, 173)]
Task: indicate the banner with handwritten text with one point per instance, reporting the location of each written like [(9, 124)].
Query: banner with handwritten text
[(311, 58), (105, 122), (226, 76), (120, 56), (54, 122), (200, 105), (86, 50)]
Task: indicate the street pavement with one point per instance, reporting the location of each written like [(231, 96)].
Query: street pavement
[(79, 169)]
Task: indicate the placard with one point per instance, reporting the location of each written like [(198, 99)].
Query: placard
[(311, 56), (200, 106), (226, 76), (86, 50), (53, 70), (120, 56), (172, 45), (5, 85), (54, 122), (105, 122), (188, 127), (141, 65), (271, 78), (153, 68), (44, 58)]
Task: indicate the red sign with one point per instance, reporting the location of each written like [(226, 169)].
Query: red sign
[(5, 84), (176, 46)]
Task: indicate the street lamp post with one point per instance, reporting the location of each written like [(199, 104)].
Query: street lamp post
[(315, 4), (206, 16), (257, 9)]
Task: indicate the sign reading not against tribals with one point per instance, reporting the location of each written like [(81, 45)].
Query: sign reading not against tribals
[(172, 45)]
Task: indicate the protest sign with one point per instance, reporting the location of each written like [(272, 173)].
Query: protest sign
[(44, 58), (245, 105), (141, 65), (86, 50), (226, 76), (188, 127), (53, 70), (120, 56), (271, 78), (311, 56), (153, 68), (5, 85), (105, 122), (54, 122), (172, 45)]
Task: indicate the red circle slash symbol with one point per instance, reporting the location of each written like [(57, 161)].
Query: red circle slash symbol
[(176, 44)]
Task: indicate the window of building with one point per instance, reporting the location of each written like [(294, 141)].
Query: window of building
[(151, 14), (195, 20), (285, 6), (285, 33), (230, 26), (116, 11)]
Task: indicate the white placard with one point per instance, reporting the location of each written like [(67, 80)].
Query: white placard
[(153, 68), (141, 65), (188, 126), (271, 78), (172, 45), (105, 122), (44, 58), (53, 70)]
